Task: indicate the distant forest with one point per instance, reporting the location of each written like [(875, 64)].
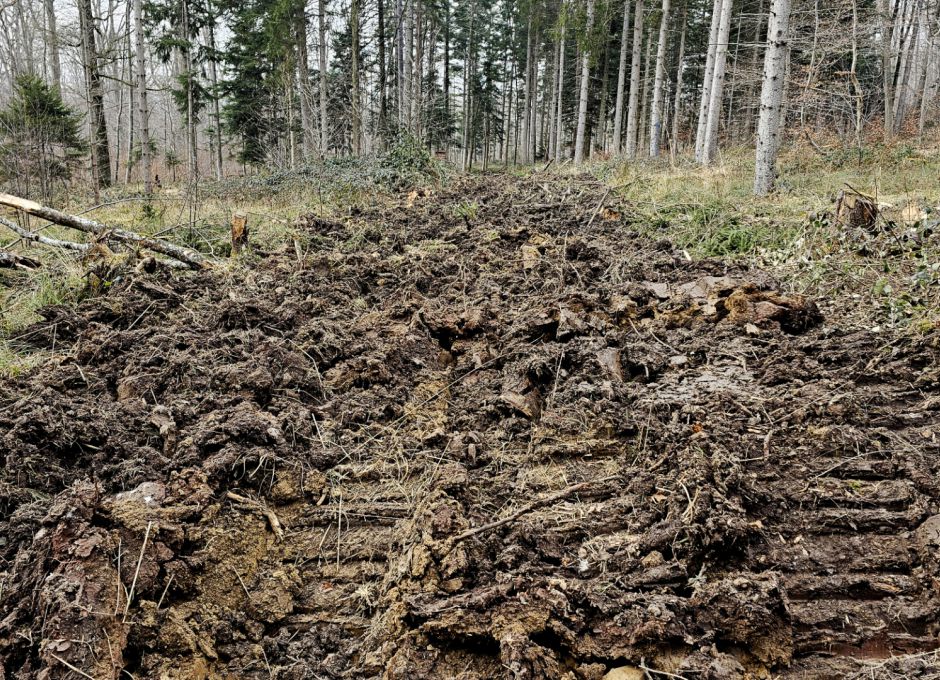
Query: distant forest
[(121, 92)]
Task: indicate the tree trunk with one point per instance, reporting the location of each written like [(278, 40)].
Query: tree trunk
[(52, 37), (527, 109), (560, 127), (887, 67), (579, 142), (192, 146), (677, 107), (656, 117), (710, 144), (143, 107), (409, 62), (645, 100), (600, 136), (190, 257), (383, 77), (707, 79), (324, 116), (354, 84), (621, 78), (633, 119), (303, 82), (216, 113), (771, 100), (98, 129)]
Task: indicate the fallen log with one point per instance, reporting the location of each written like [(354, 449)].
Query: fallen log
[(190, 257), (36, 237), (12, 261)]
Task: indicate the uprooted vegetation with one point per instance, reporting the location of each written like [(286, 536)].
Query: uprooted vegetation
[(436, 440)]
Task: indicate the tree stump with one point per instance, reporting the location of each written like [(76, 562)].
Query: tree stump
[(239, 232), (856, 210)]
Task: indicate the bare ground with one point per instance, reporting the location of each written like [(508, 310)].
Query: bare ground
[(451, 439)]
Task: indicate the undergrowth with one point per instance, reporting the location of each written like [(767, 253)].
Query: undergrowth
[(888, 274)]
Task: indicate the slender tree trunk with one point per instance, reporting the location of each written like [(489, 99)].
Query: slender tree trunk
[(771, 109), (354, 84), (142, 102), (600, 137), (887, 68), (549, 102), (560, 131), (633, 118), (710, 145), (100, 152), (707, 79), (52, 38), (409, 62), (656, 118), (621, 79), (749, 117), (447, 69), (214, 80), (677, 107), (303, 82), (644, 104), (579, 142), (400, 61), (324, 116), (383, 77), (192, 145), (527, 109)]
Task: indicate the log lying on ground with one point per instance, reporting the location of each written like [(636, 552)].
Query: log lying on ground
[(13, 261), (190, 257), (35, 237)]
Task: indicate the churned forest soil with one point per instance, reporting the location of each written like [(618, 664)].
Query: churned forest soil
[(483, 431)]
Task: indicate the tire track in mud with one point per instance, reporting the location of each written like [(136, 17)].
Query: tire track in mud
[(756, 489)]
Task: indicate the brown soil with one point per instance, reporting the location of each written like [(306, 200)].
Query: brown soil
[(296, 469)]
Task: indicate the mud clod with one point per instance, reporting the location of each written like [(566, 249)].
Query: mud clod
[(362, 464)]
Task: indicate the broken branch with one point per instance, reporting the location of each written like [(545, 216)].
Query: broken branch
[(190, 257), (36, 237)]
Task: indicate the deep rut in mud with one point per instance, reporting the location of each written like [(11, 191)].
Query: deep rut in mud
[(299, 468)]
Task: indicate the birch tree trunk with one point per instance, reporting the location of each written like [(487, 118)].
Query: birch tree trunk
[(707, 79), (633, 121), (585, 89), (144, 109), (771, 99), (656, 117), (621, 79), (710, 144), (214, 79)]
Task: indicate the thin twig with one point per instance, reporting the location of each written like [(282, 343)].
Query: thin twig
[(143, 549), (71, 667)]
